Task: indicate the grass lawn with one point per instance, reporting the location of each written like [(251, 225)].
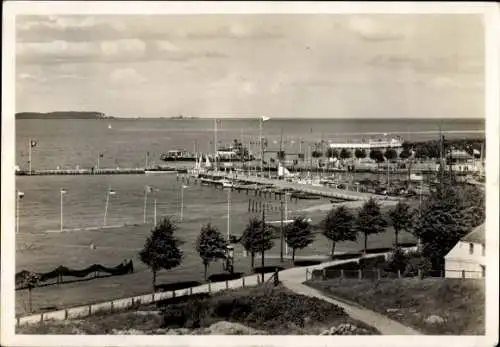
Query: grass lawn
[(43, 252), (268, 309), (460, 302)]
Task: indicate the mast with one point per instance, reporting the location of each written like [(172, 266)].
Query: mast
[(215, 143)]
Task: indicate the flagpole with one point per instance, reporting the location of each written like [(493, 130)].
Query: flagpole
[(145, 203), (261, 146), (98, 159), (19, 195), (228, 212)]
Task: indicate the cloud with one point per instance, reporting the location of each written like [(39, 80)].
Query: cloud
[(128, 47), (126, 50), (126, 75), (370, 29), (453, 64)]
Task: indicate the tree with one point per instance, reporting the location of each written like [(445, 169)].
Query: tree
[(405, 154), (332, 153), (402, 219), (360, 153), (345, 153), (370, 220), (448, 214), (298, 234), (161, 249), (317, 154), (390, 154), (253, 240), (376, 155), (338, 226), (210, 245)]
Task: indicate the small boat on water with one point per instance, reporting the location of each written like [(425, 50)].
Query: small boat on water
[(160, 170), (416, 178), (226, 183)]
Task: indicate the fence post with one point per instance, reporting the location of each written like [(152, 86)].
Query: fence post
[(399, 273), (419, 273), (209, 287), (190, 290), (227, 284), (132, 302), (324, 274), (360, 274), (342, 273), (90, 310), (173, 293), (111, 307), (378, 274), (41, 317), (463, 273), (66, 314), (18, 321)]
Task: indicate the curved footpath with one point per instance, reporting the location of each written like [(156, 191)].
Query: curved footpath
[(291, 278)]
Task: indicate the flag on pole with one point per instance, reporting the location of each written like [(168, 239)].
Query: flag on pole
[(33, 143), (111, 192), (264, 118), (63, 191), (20, 194)]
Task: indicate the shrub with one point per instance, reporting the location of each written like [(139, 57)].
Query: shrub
[(397, 261), (266, 269), (225, 277)]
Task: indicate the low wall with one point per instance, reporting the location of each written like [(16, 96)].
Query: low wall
[(125, 303)]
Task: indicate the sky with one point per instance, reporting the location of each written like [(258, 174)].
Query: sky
[(294, 66)]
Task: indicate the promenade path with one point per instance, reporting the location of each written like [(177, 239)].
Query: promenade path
[(291, 278)]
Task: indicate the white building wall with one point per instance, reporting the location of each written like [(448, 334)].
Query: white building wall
[(461, 259)]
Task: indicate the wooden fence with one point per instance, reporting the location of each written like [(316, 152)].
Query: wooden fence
[(127, 303)]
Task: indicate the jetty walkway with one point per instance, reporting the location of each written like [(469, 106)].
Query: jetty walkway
[(319, 190)]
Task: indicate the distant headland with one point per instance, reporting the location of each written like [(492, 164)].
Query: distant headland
[(62, 115)]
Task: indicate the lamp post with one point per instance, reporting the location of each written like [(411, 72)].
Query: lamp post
[(182, 201), (63, 191), (146, 191), (19, 196), (108, 193), (230, 258)]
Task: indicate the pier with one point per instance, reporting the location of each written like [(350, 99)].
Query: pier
[(117, 171), (268, 186)]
